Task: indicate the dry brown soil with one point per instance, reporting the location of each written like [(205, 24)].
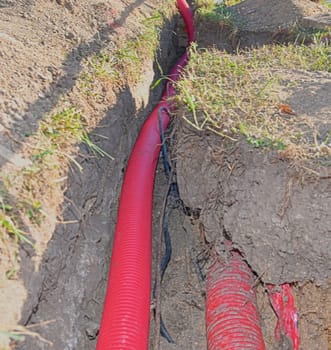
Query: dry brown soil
[(44, 46), (276, 214)]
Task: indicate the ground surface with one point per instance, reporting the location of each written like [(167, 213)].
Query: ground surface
[(255, 197), (50, 48), (63, 281)]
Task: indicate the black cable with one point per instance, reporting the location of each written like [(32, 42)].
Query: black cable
[(172, 199), (166, 163)]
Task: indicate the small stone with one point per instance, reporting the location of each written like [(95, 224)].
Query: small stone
[(92, 329)]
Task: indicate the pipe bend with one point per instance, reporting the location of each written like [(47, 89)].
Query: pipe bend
[(125, 318)]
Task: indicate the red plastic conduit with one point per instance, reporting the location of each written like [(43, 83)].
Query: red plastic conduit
[(125, 319), (232, 319), (282, 301)]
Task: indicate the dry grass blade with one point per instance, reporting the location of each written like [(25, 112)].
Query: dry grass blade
[(239, 95), (17, 332)]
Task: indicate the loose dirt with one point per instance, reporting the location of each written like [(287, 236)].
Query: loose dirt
[(276, 214), (62, 282), (278, 217)]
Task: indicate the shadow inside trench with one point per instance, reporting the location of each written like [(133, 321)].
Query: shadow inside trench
[(71, 284), (71, 68)]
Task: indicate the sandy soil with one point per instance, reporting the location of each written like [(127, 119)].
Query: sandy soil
[(278, 217), (48, 48), (41, 59)]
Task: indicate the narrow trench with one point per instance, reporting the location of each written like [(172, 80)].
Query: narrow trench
[(69, 289), (66, 295), (182, 292), (68, 292)]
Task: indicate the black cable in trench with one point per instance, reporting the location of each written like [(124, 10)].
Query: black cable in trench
[(171, 202)]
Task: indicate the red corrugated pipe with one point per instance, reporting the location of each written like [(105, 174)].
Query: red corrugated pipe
[(125, 318), (232, 319)]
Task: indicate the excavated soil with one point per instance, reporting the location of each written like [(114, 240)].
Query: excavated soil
[(279, 220), (276, 214), (278, 217), (43, 56)]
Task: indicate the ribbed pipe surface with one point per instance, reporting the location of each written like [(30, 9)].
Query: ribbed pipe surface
[(232, 319), (125, 318), (125, 321)]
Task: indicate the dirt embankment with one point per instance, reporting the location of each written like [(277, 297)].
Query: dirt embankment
[(277, 217), (275, 213), (56, 59)]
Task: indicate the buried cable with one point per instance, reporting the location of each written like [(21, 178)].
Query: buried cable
[(126, 311), (164, 223)]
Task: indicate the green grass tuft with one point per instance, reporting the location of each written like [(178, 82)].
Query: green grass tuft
[(126, 63), (238, 95)]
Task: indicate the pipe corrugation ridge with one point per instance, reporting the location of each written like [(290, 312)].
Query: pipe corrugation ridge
[(232, 319), (125, 318)]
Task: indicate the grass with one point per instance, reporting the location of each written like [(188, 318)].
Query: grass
[(125, 64), (8, 225), (58, 133), (313, 57), (220, 17), (17, 333), (35, 192), (131, 57), (33, 210), (10, 236), (54, 146), (238, 96), (209, 10), (24, 194), (325, 3)]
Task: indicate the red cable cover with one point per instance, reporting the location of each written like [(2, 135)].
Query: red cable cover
[(232, 318), (282, 301), (125, 319)]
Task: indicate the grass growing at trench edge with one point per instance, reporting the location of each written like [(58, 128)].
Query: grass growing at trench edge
[(238, 95), (55, 144), (18, 332), (59, 132), (30, 211), (217, 12), (326, 3), (51, 148), (124, 64), (25, 192), (208, 11), (10, 229), (313, 57)]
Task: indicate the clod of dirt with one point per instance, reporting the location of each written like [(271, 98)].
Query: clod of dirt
[(278, 217), (271, 15), (257, 22), (281, 224)]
